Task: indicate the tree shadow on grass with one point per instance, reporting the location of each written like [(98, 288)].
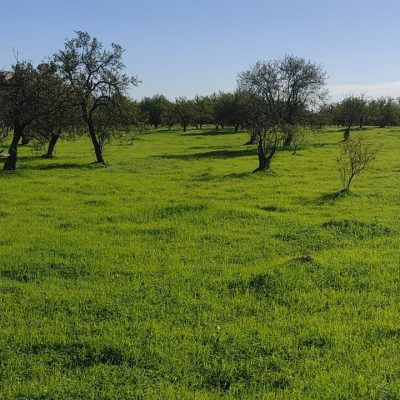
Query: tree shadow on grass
[(319, 145), (49, 167), (225, 154), (242, 175), (24, 159), (330, 198), (210, 133)]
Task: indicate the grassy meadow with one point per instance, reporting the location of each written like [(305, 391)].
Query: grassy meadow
[(176, 273)]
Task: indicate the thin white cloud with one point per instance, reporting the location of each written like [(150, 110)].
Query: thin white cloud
[(338, 91)]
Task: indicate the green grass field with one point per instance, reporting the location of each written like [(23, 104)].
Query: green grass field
[(172, 273)]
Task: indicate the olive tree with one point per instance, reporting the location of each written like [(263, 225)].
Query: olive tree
[(184, 111), (28, 95), (350, 111), (265, 129), (230, 109), (281, 91), (96, 78), (153, 109), (294, 82), (65, 119)]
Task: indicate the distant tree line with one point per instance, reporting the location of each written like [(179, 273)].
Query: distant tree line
[(218, 109)]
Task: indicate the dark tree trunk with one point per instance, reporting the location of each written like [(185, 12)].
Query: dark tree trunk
[(253, 139), (236, 128), (184, 127), (346, 134), (288, 139), (52, 144), (264, 160), (96, 144), (216, 127), (155, 126), (11, 161), (25, 140)]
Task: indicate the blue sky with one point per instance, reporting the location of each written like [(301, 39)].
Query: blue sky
[(179, 47)]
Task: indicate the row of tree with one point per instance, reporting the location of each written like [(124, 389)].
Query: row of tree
[(222, 109), (82, 89)]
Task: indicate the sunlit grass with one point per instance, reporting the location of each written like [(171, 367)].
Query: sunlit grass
[(176, 273)]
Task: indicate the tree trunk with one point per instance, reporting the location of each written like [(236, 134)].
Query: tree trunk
[(184, 127), (96, 144), (262, 159), (216, 127), (236, 128), (346, 134), (52, 144), (25, 140), (253, 139), (346, 189), (11, 161), (288, 139)]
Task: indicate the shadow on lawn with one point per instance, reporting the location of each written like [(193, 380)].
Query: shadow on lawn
[(48, 167), (319, 145), (210, 133), (327, 198), (210, 154)]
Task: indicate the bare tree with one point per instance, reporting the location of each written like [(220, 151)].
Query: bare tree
[(96, 77), (353, 158)]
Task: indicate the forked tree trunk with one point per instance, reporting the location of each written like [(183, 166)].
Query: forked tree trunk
[(264, 160), (11, 161)]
